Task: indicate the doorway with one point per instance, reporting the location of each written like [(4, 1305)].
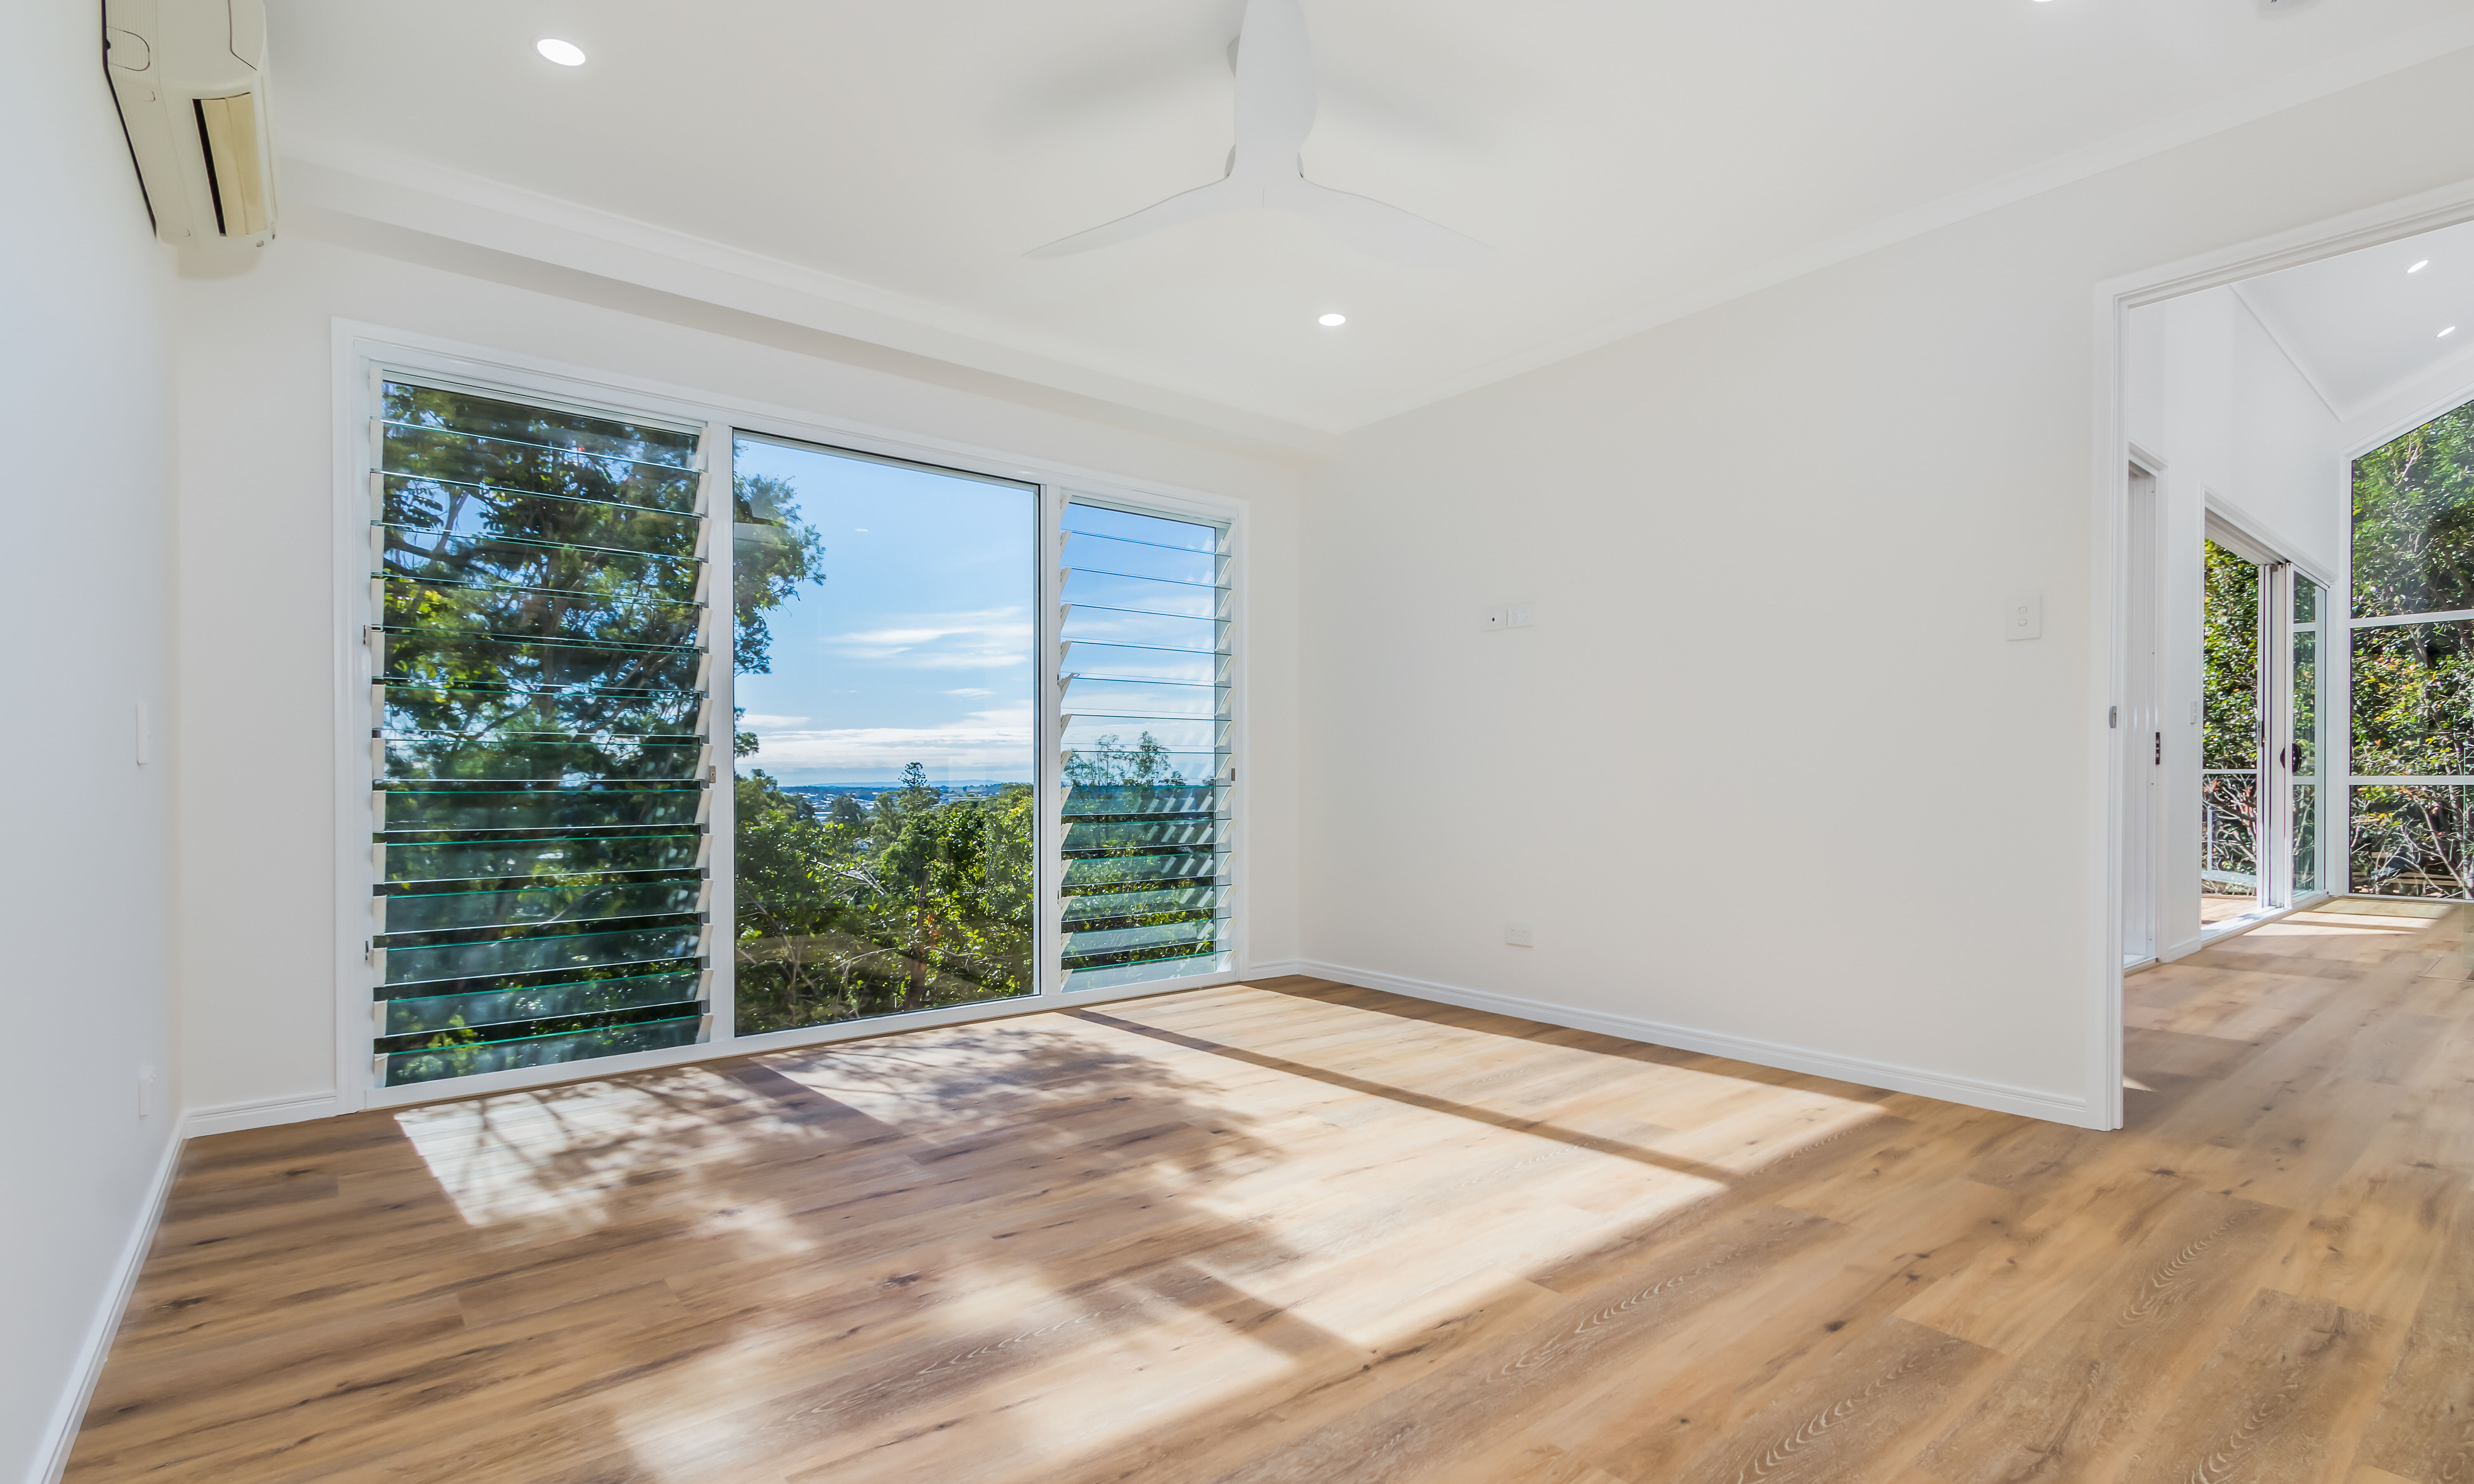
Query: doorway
[(2259, 756)]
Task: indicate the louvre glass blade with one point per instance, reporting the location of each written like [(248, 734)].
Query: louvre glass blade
[(513, 860), (450, 1059), (522, 562), (543, 612), (1138, 801), (1116, 944), (540, 955), (537, 906), (1093, 624), (482, 808), (424, 508), (1140, 836), (1111, 590), (1091, 695), (541, 1002), (412, 712), (411, 404), (1105, 910), (1086, 550), (1148, 971), (1137, 662), (1097, 735), (433, 455), (1157, 531), (573, 761), (425, 658)]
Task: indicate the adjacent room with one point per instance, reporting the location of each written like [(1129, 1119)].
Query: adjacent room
[(1240, 741)]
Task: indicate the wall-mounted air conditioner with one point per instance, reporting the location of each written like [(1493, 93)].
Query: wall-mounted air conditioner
[(191, 79)]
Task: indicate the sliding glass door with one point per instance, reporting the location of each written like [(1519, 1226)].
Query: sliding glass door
[(2260, 761), (2230, 738)]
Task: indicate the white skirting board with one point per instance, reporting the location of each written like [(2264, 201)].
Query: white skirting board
[(71, 1409), (2028, 1102), (233, 1117)]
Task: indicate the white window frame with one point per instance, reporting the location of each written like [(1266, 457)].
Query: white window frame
[(358, 349)]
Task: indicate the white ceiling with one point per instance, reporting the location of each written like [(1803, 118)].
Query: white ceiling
[(1630, 157), (2362, 327)]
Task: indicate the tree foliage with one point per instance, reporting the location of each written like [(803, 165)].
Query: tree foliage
[(2413, 683), (2229, 720), (921, 901)]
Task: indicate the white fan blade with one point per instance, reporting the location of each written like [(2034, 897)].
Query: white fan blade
[(1184, 207), (1372, 226), (1276, 86)]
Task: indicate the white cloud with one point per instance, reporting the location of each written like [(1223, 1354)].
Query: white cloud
[(972, 689), (984, 640), (755, 721)]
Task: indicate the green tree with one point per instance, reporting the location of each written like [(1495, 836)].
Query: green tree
[(772, 552), (2413, 683)]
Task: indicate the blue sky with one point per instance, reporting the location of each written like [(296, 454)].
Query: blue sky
[(918, 646)]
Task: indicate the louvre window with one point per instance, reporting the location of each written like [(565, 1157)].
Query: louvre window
[(540, 781), (1145, 681)]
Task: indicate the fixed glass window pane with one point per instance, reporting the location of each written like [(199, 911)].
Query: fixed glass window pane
[(887, 622), (2414, 522), (2411, 839), (2413, 700)]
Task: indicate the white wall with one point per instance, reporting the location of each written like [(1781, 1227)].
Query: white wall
[(88, 583), (257, 429), (1765, 768), (2207, 389)]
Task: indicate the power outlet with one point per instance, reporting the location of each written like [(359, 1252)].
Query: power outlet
[(1519, 934)]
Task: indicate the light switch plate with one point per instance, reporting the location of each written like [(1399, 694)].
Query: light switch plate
[(1509, 615), (2023, 617)]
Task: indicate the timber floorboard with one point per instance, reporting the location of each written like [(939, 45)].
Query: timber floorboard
[(1295, 1231)]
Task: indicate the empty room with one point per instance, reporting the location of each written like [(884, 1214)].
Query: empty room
[(1205, 742)]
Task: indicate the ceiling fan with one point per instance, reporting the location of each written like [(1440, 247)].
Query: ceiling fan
[(1276, 112)]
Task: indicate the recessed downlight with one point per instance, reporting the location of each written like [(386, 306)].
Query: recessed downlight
[(2446, 333), (567, 54), (2418, 267), (1332, 321)]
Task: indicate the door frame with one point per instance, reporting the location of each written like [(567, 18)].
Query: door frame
[(2142, 717), (2109, 579)]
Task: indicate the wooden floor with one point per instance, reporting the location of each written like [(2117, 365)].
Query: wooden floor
[(1297, 1231)]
